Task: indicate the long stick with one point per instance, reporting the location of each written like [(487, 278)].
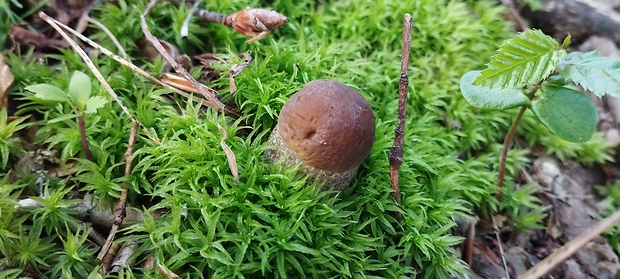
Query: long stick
[(119, 211), (396, 153)]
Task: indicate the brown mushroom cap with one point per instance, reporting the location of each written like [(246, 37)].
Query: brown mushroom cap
[(328, 126)]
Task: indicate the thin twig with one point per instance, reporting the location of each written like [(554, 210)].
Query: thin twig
[(570, 248), (52, 22), (501, 173), (501, 249), (119, 212), (209, 94), (396, 153), (521, 25)]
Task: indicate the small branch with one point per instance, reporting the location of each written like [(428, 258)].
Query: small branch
[(501, 173), (501, 249), (396, 153), (256, 23), (521, 25), (209, 94), (82, 125), (52, 22), (570, 248), (119, 212), (124, 257)]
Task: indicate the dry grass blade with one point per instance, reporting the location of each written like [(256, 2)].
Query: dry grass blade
[(570, 248), (209, 95), (52, 22), (230, 156)]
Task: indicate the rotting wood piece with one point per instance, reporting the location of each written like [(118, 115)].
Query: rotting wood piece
[(579, 18)]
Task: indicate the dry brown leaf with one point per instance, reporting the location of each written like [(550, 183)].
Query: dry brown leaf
[(230, 156), (20, 35), (6, 80), (167, 273), (180, 83)]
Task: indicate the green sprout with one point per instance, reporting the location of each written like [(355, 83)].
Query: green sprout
[(78, 96)]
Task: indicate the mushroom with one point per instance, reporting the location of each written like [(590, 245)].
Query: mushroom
[(327, 129)]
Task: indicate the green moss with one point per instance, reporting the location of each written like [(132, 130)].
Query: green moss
[(273, 224)]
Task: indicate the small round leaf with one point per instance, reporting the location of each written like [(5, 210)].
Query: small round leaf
[(491, 98), (79, 90), (567, 113)]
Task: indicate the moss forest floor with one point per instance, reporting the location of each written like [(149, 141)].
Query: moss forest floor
[(202, 201)]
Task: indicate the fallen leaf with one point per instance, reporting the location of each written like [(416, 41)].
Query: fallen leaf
[(167, 273), (230, 156), (182, 83), (20, 35), (6, 80)]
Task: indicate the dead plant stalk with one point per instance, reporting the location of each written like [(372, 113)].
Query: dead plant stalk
[(396, 153)]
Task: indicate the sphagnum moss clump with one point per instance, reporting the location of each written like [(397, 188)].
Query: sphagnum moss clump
[(275, 224)]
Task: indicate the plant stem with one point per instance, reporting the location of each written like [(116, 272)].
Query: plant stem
[(501, 173), (82, 125)]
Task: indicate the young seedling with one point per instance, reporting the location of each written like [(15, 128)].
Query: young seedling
[(532, 71), (7, 141), (79, 98)]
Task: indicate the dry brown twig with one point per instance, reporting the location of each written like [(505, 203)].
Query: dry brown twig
[(396, 153), (208, 94), (52, 22), (521, 25), (119, 211), (256, 23)]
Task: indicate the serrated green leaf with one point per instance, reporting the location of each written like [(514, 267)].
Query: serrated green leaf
[(79, 90), (566, 112), (95, 103), (493, 98), (525, 59), (600, 75), (48, 92)]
